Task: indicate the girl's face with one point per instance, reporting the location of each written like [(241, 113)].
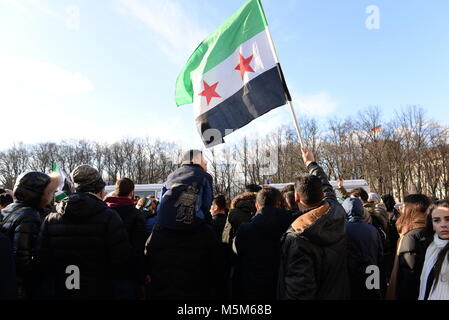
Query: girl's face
[(440, 221)]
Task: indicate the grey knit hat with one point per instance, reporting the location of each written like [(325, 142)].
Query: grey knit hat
[(87, 179)]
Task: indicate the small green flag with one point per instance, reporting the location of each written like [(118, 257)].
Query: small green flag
[(60, 194)]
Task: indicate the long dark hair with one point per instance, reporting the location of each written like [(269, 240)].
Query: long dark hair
[(414, 213), (430, 233), (389, 202)]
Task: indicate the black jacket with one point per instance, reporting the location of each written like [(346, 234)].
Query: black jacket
[(85, 233), (411, 261), (218, 223), (21, 226), (258, 253), (134, 222), (364, 249), (8, 285), (183, 264), (243, 212), (313, 260)]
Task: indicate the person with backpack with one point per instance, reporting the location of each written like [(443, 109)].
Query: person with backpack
[(183, 252)]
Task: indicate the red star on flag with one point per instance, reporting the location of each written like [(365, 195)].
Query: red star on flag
[(209, 92), (244, 65)]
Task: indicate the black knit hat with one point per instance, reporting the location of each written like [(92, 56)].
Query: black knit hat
[(30, 187)]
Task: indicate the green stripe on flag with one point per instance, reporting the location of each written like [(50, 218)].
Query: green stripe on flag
[(247, 22)]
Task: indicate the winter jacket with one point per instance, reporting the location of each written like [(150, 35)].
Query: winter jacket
[(364, 249), (438, 289), (182, 264), (150, 221), (135, 226), (244, 210), (314, 251), (392, 244), (21, 223), (87, 234), (412, 253), (8, 284), (186, 199), (257, 245), (218, 223), (132, 219), (379, 218), (21, 226)]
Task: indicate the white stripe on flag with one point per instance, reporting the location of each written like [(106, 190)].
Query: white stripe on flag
[(230, 80)]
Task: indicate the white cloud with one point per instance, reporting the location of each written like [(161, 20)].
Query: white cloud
[(175, 130), (21, 74), (70, 15), (316, 104), (31, 6), (32, 92), (177, 32)]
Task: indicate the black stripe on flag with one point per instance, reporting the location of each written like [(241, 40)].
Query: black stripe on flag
[(259, 96)]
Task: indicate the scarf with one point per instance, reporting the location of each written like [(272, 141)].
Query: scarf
[(118, 201), (431, 258)]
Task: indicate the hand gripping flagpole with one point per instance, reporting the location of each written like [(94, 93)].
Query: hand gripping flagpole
[(287, 94)]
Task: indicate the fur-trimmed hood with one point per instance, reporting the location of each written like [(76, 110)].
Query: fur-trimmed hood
[(32, 187), (323, 225)]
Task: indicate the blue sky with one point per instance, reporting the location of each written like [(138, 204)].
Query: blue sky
[(106, 69)]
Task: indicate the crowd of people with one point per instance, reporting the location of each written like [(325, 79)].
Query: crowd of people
[(299, 243)]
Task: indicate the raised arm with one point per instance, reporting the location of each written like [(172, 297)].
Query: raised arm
[(316, 170)]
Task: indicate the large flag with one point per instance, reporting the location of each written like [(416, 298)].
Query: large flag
[(233, 77)]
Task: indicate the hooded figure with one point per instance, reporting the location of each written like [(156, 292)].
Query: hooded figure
[(243, 208), (32, 192), (88, 235), (364, 249)]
